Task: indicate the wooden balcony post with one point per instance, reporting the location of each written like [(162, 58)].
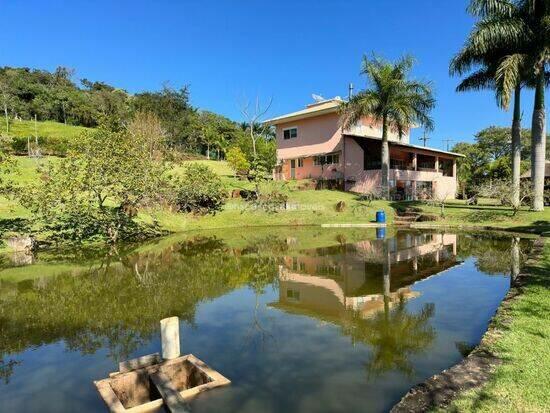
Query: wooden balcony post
[(454, 168), (415, 161), (437, 163)]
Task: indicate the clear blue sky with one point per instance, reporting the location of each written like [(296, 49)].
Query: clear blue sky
[(226, 50)]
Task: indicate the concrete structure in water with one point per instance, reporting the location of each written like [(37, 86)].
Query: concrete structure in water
[(154, 384), (311, 144)]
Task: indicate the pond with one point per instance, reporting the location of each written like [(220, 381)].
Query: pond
[(309, 320)]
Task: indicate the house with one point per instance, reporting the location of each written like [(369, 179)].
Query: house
[(527, 177), (311, 144)]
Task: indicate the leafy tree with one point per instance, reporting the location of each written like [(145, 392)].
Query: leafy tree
[(199, 190), (237, 160), (176, 114), (392, 100), (96, 190)]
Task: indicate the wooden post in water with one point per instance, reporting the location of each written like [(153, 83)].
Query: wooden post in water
[(170, 338)]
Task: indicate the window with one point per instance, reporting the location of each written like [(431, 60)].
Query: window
[(330, 159), (300, 162), (293, 295), (290, 133)]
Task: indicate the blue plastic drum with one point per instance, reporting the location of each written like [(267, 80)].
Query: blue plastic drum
[(380, 217)]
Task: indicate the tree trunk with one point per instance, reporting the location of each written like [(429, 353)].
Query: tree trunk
[(538, 145), (386, 273), (207, 151), (7, 118), (385, 158), (516, 147)]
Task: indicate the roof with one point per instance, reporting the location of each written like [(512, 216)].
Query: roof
[(408, 145), (546, 171), (314, 109)]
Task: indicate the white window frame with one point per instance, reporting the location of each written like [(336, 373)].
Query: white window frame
[(300, 162), (290, 137)]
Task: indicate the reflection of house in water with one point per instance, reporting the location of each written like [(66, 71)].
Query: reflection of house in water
[(329, 281)]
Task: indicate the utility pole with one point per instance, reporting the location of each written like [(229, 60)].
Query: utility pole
[(448, 140), (424, 138), (350, 91)]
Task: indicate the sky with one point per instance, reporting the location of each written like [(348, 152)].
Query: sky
[(231, 51)]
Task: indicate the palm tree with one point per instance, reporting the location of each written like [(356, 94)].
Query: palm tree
[(487, 76), (521, 29), (392, 100)]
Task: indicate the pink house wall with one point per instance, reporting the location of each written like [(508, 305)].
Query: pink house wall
[(320, 134)]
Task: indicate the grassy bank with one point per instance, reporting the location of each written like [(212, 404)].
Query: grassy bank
[(46, 129), (306, 207), (486, 214), (522, 382)]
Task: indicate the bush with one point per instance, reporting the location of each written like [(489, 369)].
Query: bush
[(237, 160), (199, 190), (271, 196), (57, 146)]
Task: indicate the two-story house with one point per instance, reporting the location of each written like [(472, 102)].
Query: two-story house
[(311, 144)]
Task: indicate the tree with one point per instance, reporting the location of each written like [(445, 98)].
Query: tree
[(392, 100), (497, 68), (504, 191), (237, 160), (5, 99), (146, 127), (520, 28), (95, 192), (253, 115)]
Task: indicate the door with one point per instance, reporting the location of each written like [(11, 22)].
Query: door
[(292, 169)]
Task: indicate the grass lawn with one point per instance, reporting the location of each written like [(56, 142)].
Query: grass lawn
[(47, 129), (457, 213), (522, 382), (307, 207)]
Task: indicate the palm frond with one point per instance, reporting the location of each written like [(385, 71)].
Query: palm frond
[(483, 8), (481, 79), (508, 75)]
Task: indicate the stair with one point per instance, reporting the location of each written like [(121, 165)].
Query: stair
[(406, 217)]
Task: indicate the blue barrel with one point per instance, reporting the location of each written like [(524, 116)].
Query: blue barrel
[(380, 217)]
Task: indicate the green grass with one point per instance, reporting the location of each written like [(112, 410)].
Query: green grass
[(458, 214), (47, 129), (522, 382), (308, 208)]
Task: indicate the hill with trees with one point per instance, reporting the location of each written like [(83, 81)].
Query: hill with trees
[(29, 97)]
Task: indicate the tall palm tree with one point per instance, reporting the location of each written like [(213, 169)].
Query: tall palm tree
[(521, 28), (392, 100), (487, 76)]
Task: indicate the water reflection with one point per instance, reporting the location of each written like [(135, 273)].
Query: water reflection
[(381, 295), (363, 288)]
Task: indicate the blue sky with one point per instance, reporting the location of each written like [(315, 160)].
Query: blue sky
[(227, 51)]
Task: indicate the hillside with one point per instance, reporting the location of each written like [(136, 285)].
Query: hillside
[(45, 129)]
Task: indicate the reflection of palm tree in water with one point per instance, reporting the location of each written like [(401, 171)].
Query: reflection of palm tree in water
[(393, 334)]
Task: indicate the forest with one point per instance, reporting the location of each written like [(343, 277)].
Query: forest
[(32, 94)]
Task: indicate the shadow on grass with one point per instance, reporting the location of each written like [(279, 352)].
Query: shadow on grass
[(537, 227)]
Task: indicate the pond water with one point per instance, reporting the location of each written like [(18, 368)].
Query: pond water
[(309, 320)]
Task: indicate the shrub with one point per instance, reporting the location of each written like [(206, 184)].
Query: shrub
[(199, 190), (237, 160), (271, 196), (57, 146)]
